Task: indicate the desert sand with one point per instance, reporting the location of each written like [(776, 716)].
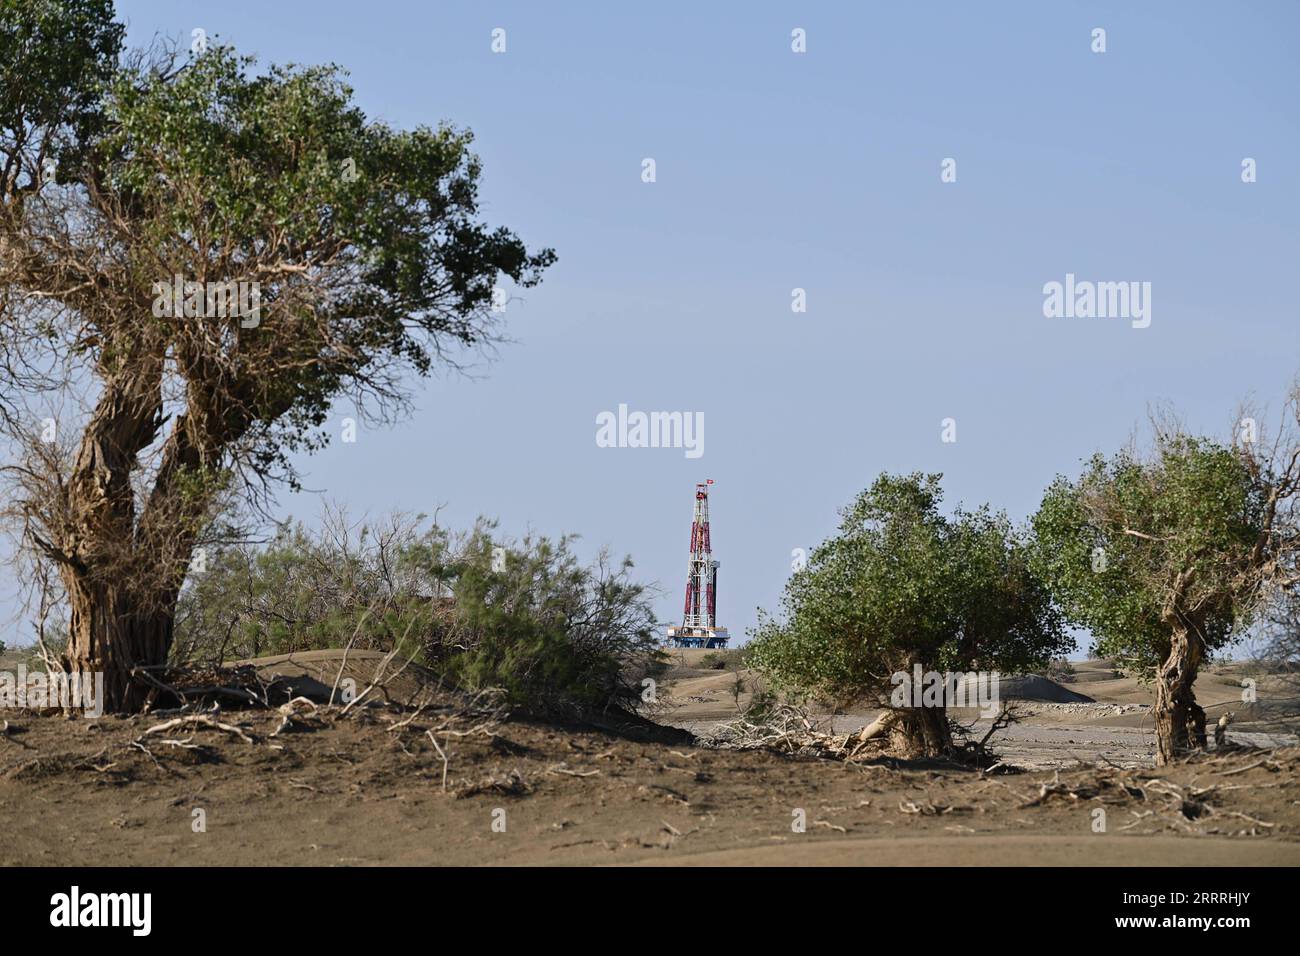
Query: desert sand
[(361, 791)]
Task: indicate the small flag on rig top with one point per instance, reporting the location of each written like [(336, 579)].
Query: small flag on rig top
[(709, 480)]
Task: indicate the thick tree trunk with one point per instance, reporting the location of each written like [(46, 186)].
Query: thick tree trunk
[(919, 732), (123, 569), (104, 572), (1180, 721), (109, 633), (923, 732)]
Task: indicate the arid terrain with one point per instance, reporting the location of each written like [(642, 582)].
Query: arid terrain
[(1052, 732), (371, 787)]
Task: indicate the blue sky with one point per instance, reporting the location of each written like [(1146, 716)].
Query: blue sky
[(821, 171)]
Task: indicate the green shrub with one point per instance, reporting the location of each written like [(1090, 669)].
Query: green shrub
[(554, 633), (527, 617)]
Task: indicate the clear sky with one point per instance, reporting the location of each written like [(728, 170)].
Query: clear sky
[(777, 170)]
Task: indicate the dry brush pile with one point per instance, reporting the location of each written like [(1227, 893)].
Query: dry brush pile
[(790, 729)]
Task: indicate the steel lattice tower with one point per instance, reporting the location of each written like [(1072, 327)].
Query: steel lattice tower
[(699, 626)]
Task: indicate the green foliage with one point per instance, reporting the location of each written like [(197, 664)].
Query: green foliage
[(299, 592), (555, 634), (56, 56), (286, 152), (900, 584), (1135, 545), (529, 617), (365, 238), (360, 260)]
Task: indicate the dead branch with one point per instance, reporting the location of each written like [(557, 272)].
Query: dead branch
[(202, 721)]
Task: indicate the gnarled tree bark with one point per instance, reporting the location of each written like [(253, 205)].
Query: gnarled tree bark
[(917, 731), (1180, 720), (110, 633)]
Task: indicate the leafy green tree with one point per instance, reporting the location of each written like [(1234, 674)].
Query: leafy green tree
[(55, 55), (363, 243), (1166, 557), (902, 585)]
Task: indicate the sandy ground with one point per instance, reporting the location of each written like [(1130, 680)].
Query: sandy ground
[(1117, 728), (998, 850), (364, 789)]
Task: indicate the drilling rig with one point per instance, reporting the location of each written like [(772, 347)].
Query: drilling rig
[(699, 627)]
